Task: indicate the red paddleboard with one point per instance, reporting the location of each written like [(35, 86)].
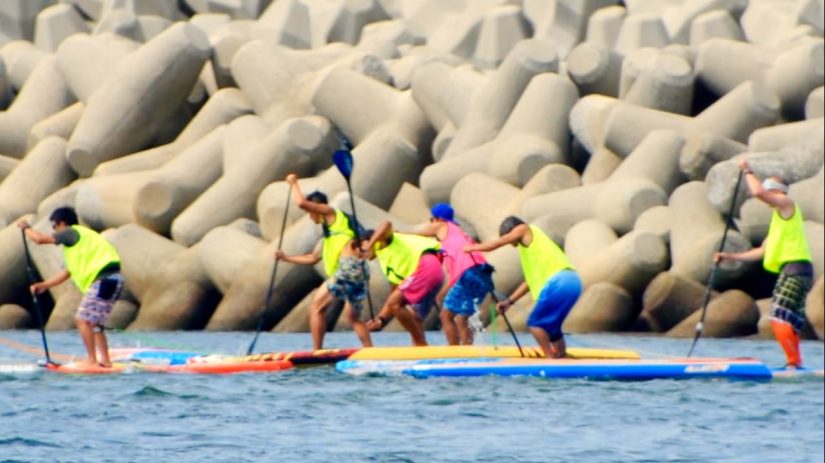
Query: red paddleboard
[(216, 367)]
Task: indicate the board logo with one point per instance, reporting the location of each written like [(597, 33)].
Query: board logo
[(707, 368)]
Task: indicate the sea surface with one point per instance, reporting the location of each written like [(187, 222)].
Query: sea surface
[(320, 415)]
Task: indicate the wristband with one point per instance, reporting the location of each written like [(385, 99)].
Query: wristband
[(383, 321)]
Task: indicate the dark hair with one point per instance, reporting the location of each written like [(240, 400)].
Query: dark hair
[(66, 215), (367, 234), (508, 224), (317, 197)]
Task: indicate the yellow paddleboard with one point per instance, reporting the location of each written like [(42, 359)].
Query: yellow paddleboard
[(447, 352)]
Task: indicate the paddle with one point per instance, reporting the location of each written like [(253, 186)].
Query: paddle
[(343, 161), (37, 309), (271, 276), (701, 324), (507, 321), (503, 315)]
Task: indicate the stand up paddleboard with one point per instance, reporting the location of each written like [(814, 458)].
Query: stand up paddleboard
[(212, 366), (465, 352), (596, 369)]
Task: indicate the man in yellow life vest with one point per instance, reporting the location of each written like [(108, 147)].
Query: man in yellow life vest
[(348, 274), (784, 251), (549, 276), (94, 266), (412, 264)]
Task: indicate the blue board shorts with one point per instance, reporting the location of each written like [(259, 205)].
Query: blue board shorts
[(470, 290), (558, 296)]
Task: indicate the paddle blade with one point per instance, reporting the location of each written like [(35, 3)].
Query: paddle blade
[(343, 161)]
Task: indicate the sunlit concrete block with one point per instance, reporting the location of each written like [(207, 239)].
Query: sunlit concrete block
[(285, 23), (483, 201), (491, 105), (178, 183), (629, 262), (602, 307), (604, 25), (733, 313), (639, 31), (141, 98), (501, 28), (695, 234), (56, 23), (223, 107), (44, 93), (655, 220), (289, 149), (43, 171), (792, 164), (595, 68), (655, 159), (716, 24), (60, 124), (20, 58), (15, 317), (783, 135), (815, 104), (87, 61), (587, 239), (669, 299), (702, 151), (174, 290), (665, 83)]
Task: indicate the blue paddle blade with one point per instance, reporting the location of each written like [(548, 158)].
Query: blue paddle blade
[(343, 161)]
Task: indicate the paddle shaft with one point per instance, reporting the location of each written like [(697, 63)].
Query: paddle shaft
[(271, 276), (700, 325), (503, 315), (358, 243), (37, 309)]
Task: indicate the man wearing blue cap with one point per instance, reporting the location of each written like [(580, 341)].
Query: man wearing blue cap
[(469, 276)]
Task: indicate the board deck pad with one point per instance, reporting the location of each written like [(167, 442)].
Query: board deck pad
[(448, 352)]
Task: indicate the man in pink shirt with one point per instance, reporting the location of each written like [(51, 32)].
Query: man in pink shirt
[(469, 276)]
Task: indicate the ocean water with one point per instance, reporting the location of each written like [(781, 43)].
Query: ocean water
[(320, 415)]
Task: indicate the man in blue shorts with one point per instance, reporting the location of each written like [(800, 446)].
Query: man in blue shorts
[(549, 276)]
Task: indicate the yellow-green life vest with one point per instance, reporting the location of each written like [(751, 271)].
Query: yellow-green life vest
[(89, 255), (541, 260), (786, 241), (399, 259), (339, 235)]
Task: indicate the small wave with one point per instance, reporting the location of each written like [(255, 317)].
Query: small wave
[(22, 441), (151, 391)]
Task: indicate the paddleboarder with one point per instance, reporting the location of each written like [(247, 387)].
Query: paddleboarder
[(412, 264), (549, 277), (785, 252), (469, 276), (94, 266), (348, 274)]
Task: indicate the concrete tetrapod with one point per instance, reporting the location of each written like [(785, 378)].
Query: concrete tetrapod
[(127, 110), (292, 148), (695, 233)]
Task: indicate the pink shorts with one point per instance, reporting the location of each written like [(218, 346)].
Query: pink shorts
[(420, 288)]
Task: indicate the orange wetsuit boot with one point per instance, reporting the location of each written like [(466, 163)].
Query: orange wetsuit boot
[(789, 340)]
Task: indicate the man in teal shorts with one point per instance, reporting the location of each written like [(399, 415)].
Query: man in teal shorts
[(549, 276), (347, 274)]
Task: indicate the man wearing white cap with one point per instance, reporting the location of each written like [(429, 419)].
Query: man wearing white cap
[(785, 251)]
